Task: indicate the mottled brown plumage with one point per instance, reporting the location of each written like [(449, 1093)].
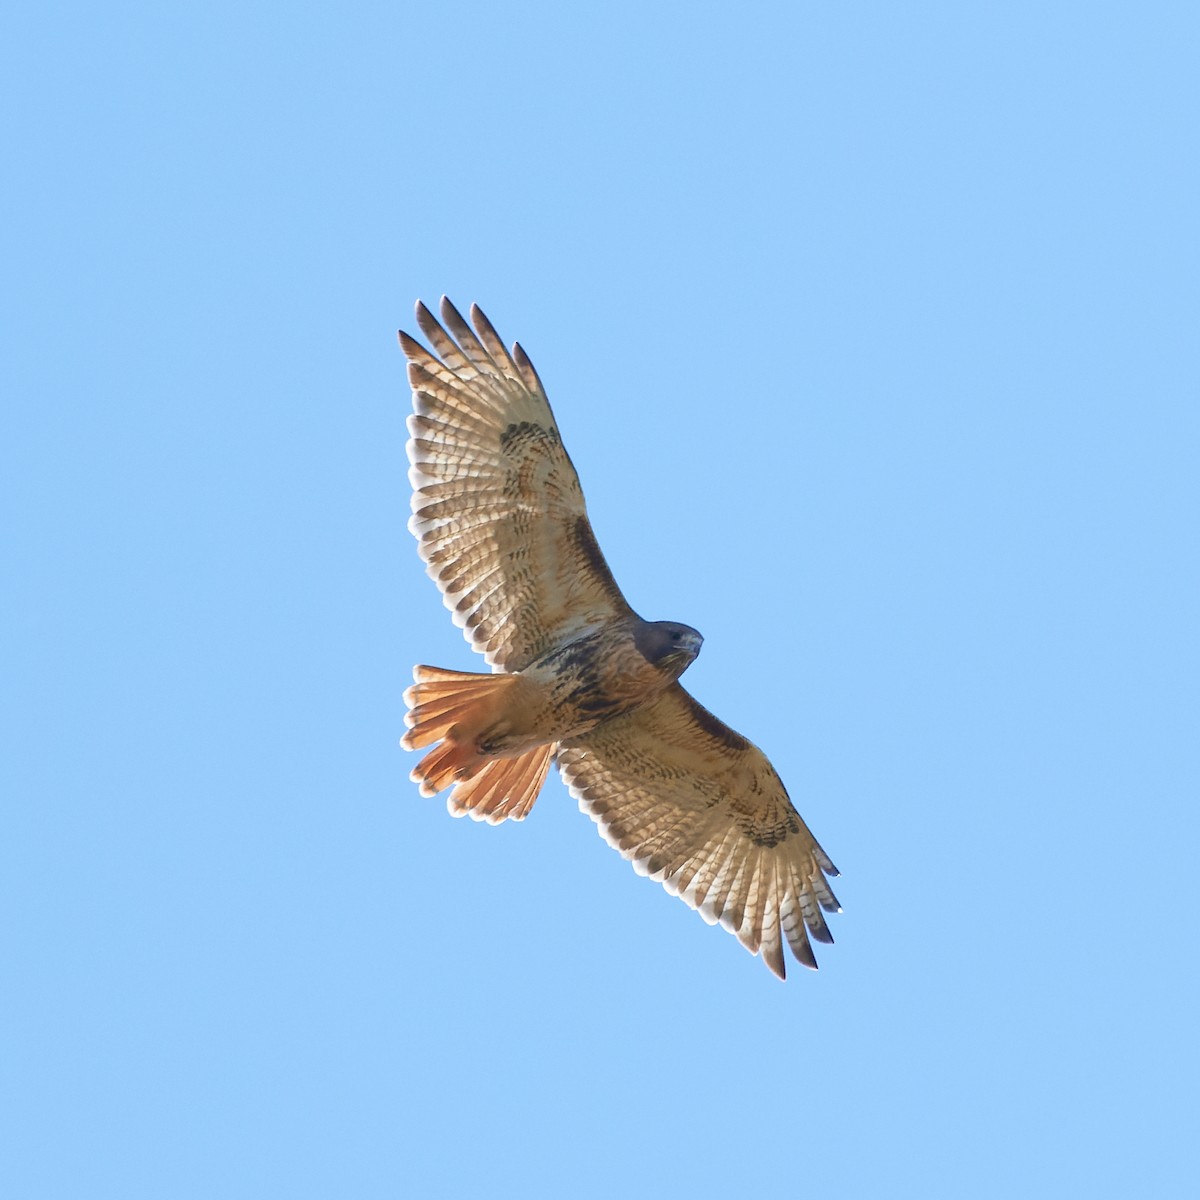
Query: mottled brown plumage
[(578, 676)]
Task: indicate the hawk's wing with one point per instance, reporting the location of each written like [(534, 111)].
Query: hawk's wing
[(696, 806), (497, 507)]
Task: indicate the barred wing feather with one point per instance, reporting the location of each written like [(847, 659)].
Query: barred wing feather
[(498, 512), (694, 805)]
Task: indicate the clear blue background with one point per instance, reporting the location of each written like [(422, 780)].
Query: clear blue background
[(872, 329)]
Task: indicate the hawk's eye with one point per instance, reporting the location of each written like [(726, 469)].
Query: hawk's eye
[(675, 636)]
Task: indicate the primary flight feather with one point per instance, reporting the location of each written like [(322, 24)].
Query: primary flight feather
[(578, 678)]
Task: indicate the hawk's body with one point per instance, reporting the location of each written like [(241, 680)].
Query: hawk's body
[(577, 675)]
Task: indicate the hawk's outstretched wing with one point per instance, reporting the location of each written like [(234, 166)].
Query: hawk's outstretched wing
[(696, 806), (497, 507)]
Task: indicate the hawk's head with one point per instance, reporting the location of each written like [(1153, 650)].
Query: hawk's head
[(668, 645)]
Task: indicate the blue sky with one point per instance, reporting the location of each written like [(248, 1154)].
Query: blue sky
[(872, 332)]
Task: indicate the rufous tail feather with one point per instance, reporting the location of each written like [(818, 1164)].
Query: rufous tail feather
[(504, 789), (452, 708)]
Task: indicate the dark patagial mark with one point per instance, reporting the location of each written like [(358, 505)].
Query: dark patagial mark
[(716, 728), (589, 550)]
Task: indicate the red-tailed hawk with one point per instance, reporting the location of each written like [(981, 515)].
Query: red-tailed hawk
[(578, 677)]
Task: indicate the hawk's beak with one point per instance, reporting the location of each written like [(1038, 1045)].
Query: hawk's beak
[(689, 647)]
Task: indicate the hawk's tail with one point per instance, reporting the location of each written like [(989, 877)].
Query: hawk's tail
[(504, 789), (453, 707)]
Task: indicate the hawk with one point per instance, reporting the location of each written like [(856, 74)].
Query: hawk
[(578, 678)]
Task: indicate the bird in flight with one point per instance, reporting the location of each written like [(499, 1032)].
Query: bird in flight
[(577, 677)]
